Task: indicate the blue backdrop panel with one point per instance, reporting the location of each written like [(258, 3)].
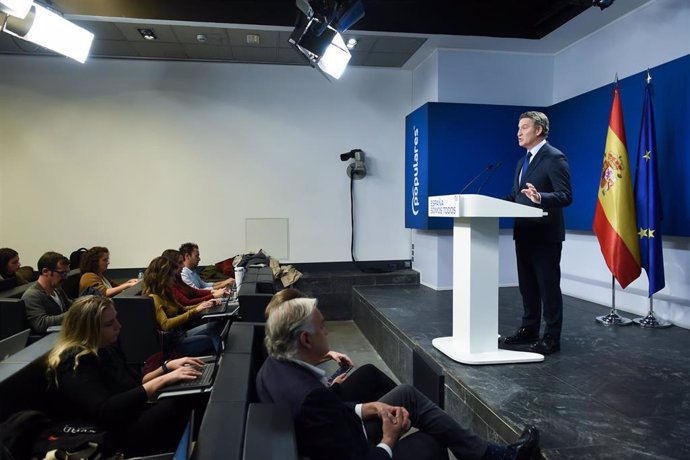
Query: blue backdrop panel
[(457, 141), (579, 127)]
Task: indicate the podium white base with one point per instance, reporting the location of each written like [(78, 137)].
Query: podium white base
[(447, 346)]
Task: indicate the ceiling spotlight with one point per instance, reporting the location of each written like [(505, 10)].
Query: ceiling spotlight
[(317, 34), (17, 8), (351, 43), (50, 30), (148, 34)]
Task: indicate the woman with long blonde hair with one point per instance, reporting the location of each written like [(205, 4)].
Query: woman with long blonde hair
[(93, 383)]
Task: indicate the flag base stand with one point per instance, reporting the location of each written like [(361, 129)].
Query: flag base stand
[(651, 322), (613, 319)]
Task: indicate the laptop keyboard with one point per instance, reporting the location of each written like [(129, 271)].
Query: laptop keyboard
[(203, 380)]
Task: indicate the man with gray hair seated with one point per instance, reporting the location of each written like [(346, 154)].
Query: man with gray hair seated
[(328, 428)]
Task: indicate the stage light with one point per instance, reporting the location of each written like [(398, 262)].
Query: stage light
[(335, 59), (317, 34), (52, 31), (17, 8)]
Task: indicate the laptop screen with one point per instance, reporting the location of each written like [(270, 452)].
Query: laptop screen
[(13, 344)]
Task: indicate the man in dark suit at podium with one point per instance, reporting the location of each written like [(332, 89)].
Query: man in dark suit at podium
[(542, 179)]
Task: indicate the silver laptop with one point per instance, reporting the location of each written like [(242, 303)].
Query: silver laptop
[(14, 343)]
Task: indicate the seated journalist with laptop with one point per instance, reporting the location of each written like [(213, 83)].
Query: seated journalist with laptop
[(90, 381)]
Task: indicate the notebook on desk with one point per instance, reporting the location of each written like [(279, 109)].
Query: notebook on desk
[(14, 343)]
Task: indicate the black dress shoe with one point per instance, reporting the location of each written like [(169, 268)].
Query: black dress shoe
[(547, 345), (522, 336), (527, 447)]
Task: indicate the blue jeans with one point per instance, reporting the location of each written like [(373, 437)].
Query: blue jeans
[(198, 341)]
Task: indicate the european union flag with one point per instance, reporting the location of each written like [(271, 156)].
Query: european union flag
[(648, 199)]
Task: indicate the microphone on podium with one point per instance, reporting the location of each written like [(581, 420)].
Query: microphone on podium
[(493, 170), (474, 179)]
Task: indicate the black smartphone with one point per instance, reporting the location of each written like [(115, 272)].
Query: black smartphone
[(343, 369)]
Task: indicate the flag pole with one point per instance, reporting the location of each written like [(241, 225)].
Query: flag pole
[(649, 209), (613, 318), (650, 320)]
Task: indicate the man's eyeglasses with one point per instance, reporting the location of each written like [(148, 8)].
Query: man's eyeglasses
[(63, 273)]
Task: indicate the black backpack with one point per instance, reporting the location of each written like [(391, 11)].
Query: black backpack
[(75, 258), (19, 433), (30, 434)]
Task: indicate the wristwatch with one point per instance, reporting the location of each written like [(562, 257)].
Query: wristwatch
[(164, 367)]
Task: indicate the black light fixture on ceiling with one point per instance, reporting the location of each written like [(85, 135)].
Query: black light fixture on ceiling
[(317, 33), (148, 34), (603, 4)]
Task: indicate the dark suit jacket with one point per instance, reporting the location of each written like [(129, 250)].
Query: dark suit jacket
[(550, 174), (326, 427)]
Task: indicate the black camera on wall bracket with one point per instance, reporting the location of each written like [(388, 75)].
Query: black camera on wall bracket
[(356, 169)]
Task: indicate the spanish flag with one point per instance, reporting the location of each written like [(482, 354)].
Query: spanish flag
[(614, 217)]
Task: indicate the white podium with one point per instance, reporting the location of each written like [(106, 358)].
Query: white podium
[(475, 277)]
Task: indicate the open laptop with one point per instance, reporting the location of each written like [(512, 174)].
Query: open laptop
[(14, 343), (227, 307), (204, 383)]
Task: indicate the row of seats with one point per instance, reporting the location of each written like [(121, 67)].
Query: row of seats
[(235, 426)]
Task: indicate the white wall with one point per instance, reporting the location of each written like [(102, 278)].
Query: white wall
[(506, 78), (425, 81), (141, 156), (655, 33), (433, 254)]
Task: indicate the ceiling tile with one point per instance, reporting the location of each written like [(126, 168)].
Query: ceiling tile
[(214, 36), (155, 50), (290, 56), (102, 30), (385, 59), (208, 52), (254, 54), (397, 44), (113, 48)]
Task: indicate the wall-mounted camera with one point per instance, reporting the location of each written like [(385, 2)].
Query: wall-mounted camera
[(356, 169)]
